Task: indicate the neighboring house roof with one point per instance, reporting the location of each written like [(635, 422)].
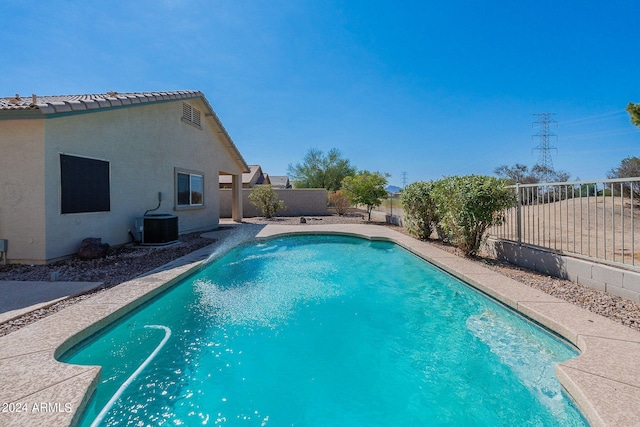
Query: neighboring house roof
[(263, 179), (280, 181), (253, 177), (35, 106)]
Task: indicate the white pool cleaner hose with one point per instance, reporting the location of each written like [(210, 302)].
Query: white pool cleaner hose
[(123, 387)]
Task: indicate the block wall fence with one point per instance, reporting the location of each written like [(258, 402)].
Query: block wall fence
[(298, 202), (622, 282)]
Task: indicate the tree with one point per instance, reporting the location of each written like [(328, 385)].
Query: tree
[(587, 190), (634, 113), (544, 173), (265, 198), (629, 168), (340, 201), (522, 175), (516, 174), (366, 188), (420, 211), (320, 171), (469, 205)]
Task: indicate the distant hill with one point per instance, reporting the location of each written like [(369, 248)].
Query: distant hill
[(393, 189)]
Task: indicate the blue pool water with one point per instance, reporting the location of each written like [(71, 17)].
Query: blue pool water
[(325, 331)]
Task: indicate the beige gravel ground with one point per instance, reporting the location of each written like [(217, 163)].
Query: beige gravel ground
[(126, 263)]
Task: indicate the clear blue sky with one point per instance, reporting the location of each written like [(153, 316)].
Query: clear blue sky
[(430, 88)]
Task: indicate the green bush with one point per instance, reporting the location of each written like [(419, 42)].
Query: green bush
[(468, 206), (266, 199), (420, 214)]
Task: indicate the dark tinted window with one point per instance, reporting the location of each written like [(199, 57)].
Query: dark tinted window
[(183, 189), (85, 185)]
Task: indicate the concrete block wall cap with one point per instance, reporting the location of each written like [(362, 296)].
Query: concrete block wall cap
[(115, 102)]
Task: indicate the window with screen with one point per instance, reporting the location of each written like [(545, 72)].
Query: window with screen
[(85, 185), (189, 188)]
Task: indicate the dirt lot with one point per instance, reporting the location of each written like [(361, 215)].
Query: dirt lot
[(599, 227)]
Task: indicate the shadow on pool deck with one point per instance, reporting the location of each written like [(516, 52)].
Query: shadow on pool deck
[(22, 297)]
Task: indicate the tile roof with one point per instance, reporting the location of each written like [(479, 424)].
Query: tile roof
[(73, 103), (247, 177), (280, 181), (69, 103)]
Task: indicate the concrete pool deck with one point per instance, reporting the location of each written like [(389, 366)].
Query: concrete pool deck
[(35, 389)]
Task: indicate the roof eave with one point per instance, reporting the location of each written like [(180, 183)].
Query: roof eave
[(225, 135)]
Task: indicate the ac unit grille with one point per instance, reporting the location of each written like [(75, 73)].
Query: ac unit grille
[(159, 229)]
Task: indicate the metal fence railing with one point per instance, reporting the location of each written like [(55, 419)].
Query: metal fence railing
[(598, 220), (391, 205), (391, 208)]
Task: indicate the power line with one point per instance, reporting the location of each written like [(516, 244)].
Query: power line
[(404, 179), (595, 118), (601, 134), (544, 159)]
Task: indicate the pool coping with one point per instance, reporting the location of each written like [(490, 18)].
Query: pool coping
[(36, 389)]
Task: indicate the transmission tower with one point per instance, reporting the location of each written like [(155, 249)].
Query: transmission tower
[(544, 159), (404, 179)]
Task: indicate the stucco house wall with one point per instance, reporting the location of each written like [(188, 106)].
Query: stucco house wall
[(145, 144), (22, 196)]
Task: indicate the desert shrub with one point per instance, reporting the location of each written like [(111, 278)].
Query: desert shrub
[(468, 205), (265, 198), (340, 201), (420, 215)]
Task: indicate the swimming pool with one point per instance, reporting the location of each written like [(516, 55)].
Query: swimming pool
[(326, 330)]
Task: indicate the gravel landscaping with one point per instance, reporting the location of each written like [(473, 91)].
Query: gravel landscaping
[(123, 264)]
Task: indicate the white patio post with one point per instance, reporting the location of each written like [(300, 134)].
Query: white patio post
[(236, 198)]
